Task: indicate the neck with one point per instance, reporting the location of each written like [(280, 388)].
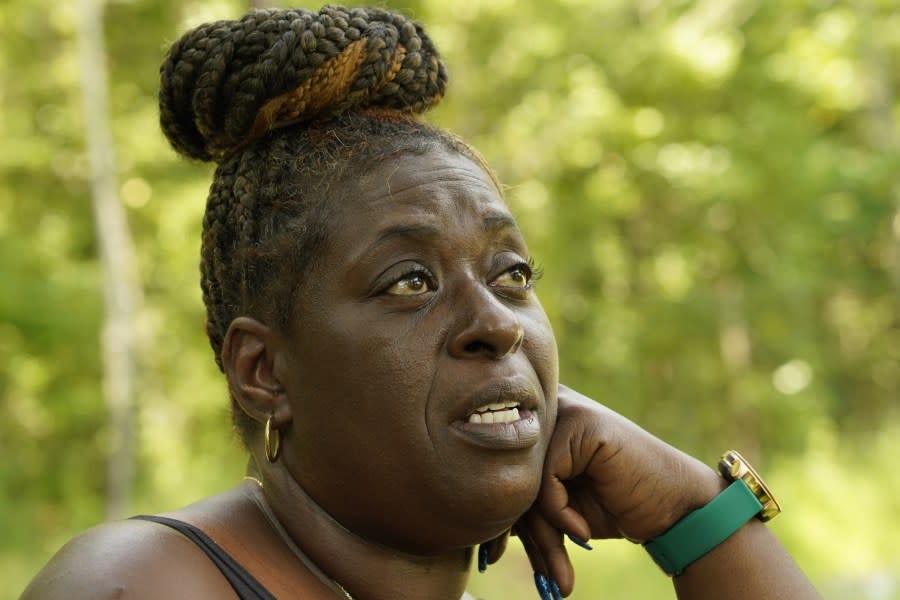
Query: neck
[(364, 569)]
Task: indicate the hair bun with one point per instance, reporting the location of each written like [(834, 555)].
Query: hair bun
[(225, 83)]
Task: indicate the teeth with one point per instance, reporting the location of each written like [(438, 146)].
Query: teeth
[(504, 414), (497, 406)]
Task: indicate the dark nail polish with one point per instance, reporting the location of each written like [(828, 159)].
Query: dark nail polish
[(543, 588), (579, 542), (482, 558), (557, 595)]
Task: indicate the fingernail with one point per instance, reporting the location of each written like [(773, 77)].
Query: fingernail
[(579, 542), (543, 588), (557, 595), (482, 558)]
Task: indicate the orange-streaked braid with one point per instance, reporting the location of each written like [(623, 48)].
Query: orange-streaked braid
[(218, 77)]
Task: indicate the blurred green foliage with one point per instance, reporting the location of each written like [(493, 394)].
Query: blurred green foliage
[(711, 185)]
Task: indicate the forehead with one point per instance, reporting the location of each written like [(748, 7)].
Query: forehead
[(440, 189), (439, 182)]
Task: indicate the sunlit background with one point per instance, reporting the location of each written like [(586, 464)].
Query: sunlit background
[(712, 187)]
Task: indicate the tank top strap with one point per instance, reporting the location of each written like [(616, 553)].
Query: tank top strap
[(244, 584)]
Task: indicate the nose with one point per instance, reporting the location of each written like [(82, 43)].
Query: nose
[(485, 327)]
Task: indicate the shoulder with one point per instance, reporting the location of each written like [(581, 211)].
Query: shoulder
[(125, 559)]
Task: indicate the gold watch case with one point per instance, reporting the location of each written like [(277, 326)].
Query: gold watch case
[(733, 466)]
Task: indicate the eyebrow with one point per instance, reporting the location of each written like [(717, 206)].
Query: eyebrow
[(420, 231), (414, 231), (494, 223)]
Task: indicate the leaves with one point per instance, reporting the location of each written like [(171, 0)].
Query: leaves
[(711, 187)]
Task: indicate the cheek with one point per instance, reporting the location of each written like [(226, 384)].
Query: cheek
[(540, 345), (386, 370), (374, 384)]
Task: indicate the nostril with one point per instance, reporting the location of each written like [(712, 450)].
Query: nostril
[(477, 347)]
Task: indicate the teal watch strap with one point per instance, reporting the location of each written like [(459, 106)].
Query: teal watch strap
[(704, 529)]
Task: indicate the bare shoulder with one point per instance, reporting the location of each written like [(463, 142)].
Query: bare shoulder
[(129, 559)]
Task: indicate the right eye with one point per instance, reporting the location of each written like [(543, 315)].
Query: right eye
[(412, 284)]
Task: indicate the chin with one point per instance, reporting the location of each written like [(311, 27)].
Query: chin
[(492, 505), (458, 514)]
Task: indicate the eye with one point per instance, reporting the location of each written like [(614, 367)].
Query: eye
[(412, 284), (520, 276), (517, 277)]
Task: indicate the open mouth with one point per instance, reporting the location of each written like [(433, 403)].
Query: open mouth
[(495, 412), (501, 414)]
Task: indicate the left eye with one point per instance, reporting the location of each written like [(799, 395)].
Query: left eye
[(413, 284), (517, 277)]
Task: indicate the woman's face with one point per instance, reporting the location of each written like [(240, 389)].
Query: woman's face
[(418, 322)]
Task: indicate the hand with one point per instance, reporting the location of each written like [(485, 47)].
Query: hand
[(605, 477)]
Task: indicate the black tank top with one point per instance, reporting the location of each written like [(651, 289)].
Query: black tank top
[(244, 584)]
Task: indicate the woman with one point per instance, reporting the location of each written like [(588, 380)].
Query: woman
[(393, 376)]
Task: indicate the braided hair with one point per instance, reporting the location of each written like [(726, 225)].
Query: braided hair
[(290, 104)]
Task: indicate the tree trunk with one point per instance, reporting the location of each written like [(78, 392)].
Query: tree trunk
[(117, 257)]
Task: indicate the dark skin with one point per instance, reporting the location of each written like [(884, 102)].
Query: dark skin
[(425, 314), (605, 477), (420, 312)]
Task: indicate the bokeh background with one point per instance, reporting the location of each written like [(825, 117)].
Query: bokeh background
[(711, 185)]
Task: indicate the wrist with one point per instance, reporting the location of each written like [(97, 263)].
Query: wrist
[(700, 531), (698, 485)]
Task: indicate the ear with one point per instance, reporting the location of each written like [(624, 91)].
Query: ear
[(249, 354)]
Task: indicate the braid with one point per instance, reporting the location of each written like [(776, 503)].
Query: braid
[(212, 276), (291, 104), (292, 64), (227, 227)]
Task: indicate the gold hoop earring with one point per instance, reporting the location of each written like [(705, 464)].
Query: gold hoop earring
[(272, 441)]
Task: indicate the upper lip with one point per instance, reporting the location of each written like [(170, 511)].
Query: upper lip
[(511, 389)]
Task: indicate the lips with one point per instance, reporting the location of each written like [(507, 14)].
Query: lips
[(500, 415), (497, 396)]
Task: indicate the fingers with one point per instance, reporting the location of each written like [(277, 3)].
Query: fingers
[(491, 551), (553, 502), (575, 482), (553, 498), (547, 553)]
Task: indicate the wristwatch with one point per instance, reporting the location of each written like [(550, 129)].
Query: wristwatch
[(702, 530)]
